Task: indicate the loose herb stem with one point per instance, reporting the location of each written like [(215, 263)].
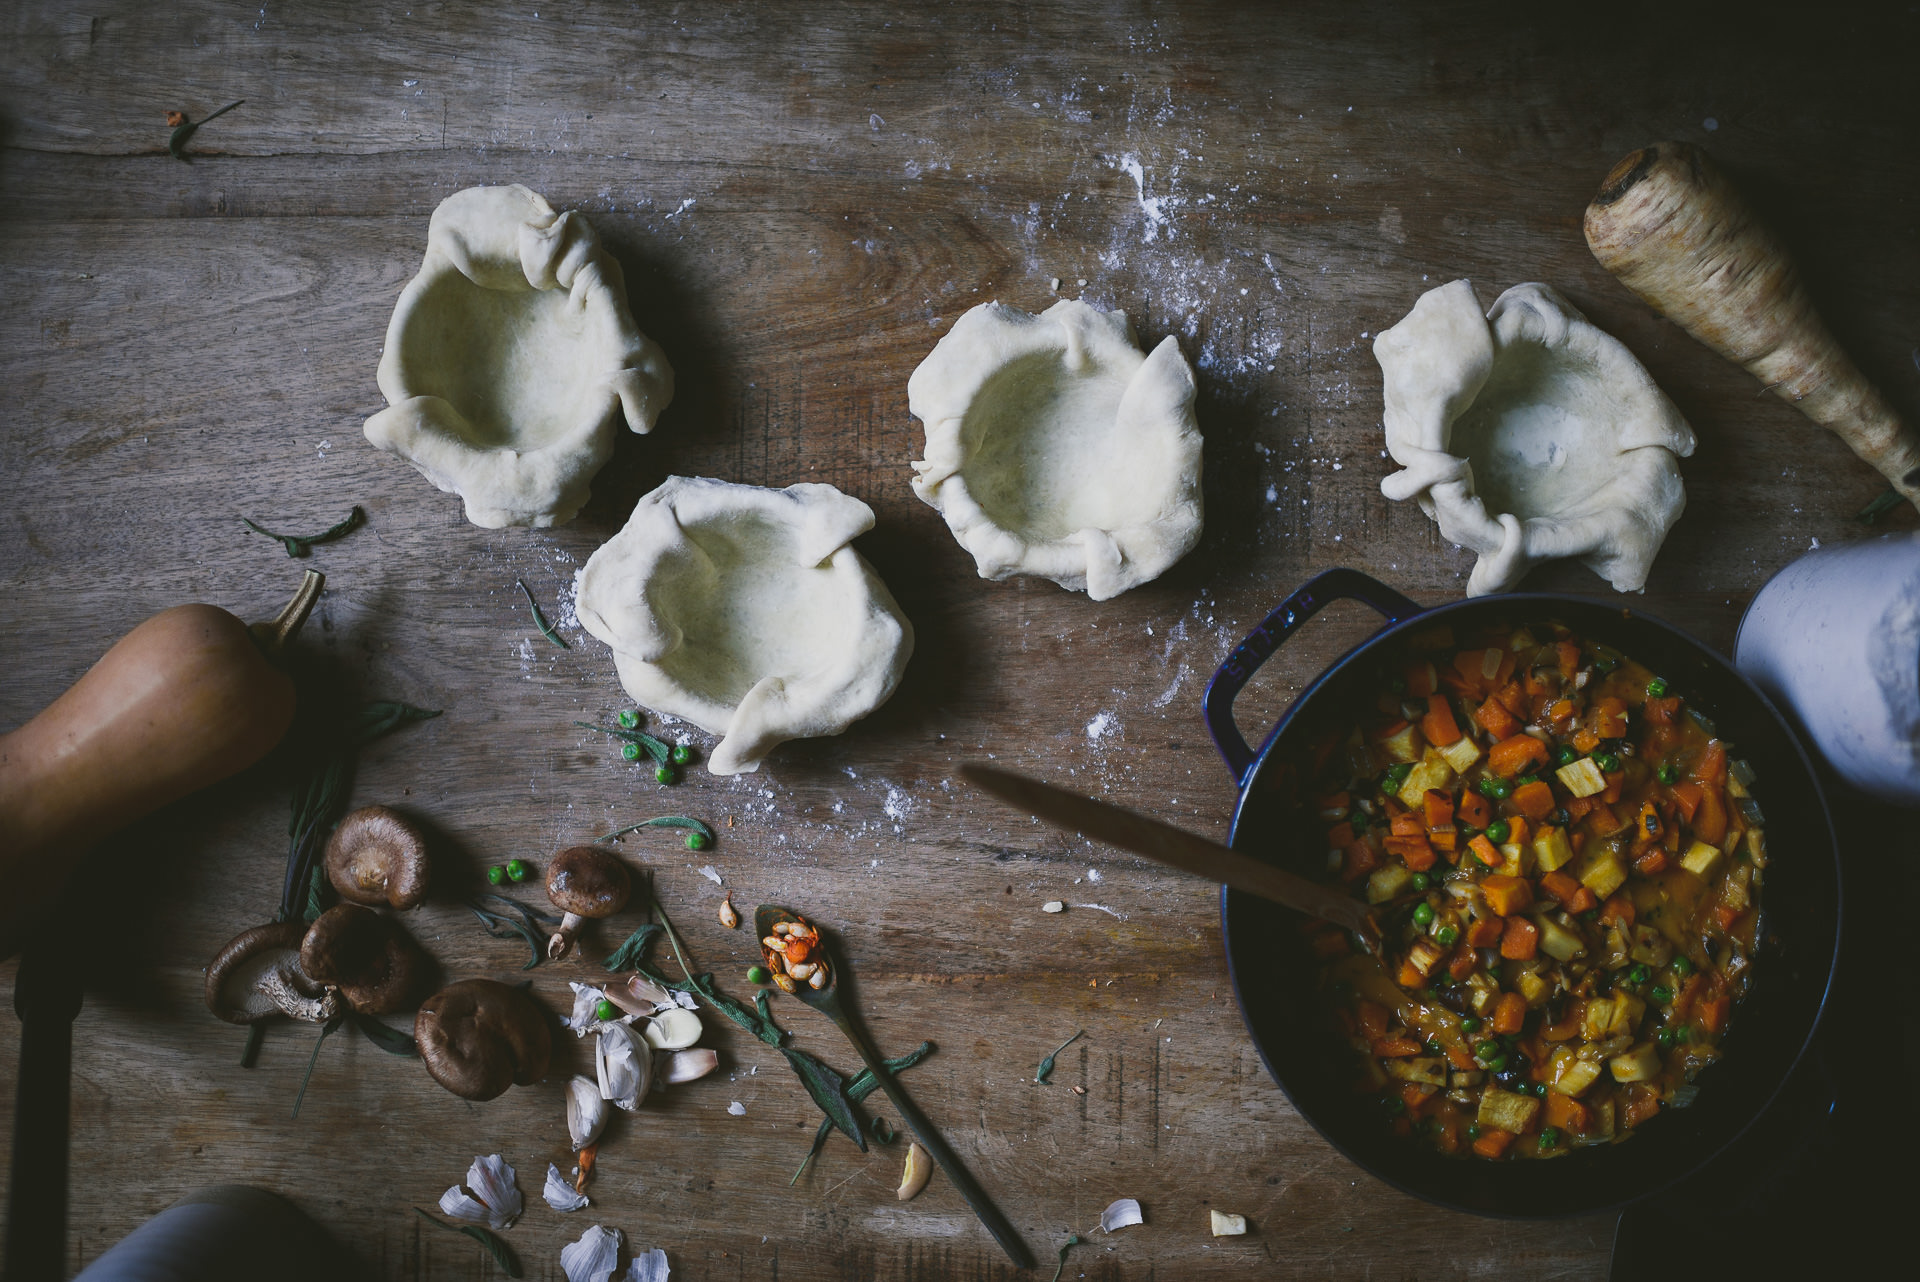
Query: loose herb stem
[(1073, 1240), (664, 821), (299, 545), (177, 140), (1884, 503), (326, 1030), (539, 619), (660, 752), (496, 1246), (1045, 1070)]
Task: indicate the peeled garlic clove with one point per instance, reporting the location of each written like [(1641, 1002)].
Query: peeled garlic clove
[(1225, 1225), (919, 1171), (586, 1111), (593, 1257), (625, 1067), (685, 1066), (673, 1030), (561, 1195)]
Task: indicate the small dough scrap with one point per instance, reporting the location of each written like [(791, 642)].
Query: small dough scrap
[(747, 612), (1056, 448), (1530, 434), (508, 355)]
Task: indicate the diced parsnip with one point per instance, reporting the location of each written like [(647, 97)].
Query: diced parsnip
[(1460, 1081), (1757, 846), (1522, 641), (1402, 744), (1599, 1018), (1576, 1076), (1556, 941), (1700, 858), (1386, 882), (1640, 1064), (1535, 989), (1515, 860), (1506, 1111), (1425, 955), (1650, 946), (1432, 772), (1461, 754), (1484, 992), (1627, 1010), (1603, 873), (1734, 892), (1551, 849), (1735, 788), (1429, 1071), (1602, 1123), (1582, 778)]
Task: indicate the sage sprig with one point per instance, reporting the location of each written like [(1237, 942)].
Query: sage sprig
[(664, 821), (540, 619), (1045, 1070), (864, 1083), (299, 545), (519, 919), (661, 753), (629, 954), (1073, 1240), (496, 1245), (184, 131), (829, 1091)]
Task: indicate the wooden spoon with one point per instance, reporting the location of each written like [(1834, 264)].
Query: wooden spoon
[(826, 1000)]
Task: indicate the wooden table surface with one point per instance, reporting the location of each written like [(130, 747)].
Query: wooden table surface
[(805, 198)]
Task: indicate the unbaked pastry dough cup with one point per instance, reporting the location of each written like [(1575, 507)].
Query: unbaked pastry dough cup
[(507, 357), (1530, 434), (1055, 448), (748, 612)]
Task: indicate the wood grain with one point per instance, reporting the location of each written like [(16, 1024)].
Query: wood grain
[(805, 198)]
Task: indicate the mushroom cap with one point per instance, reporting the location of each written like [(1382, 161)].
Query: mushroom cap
[(366, 956), (233, 977), (378, 857), (478, 1036), (588, 881)]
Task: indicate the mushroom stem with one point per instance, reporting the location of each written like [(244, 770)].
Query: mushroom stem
[(561, 942), (281, 992)]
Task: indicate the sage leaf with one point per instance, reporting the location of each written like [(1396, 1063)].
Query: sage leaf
[(661, 753), (299, 545), (829, 1091), (1045, 1070), (539, 619), (385, 1036), (1884, 503), (503, 927), (496, 1246), (864, 1083), (630, 954), (664, 821)]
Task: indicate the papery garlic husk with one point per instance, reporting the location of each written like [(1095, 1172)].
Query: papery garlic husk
[(646, 990), (586, 1005), (586, 1111), (560, 1195), (489, 1196), (684, 1000), (673, 1030), (674, 1067), (1120, 1214), (624, 1065), (593, 1257), (649, 1266)]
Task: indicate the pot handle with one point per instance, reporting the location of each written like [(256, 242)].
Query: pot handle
[(1323, 588)]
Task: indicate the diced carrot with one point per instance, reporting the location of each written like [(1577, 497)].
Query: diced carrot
[(1396, 1047), (1724, 915), (1415, 852), (1507, 895), (1492, 1144), (1538, 683), (1579, 808), (1649, 824), (1391, 729), (1569, 1026), (1329, 944), (1486, 851), (1517, 830), (1713, 1013), (1509, 1013), (1579, 841), (1340, 836), (1520, 940), (1416, 1098), (1373, 1020), (1439, 807), (1605, 821), (1357, 861), (1444, 839), (1504, 673), (1687, 798), (1610, 718), (1617, 910), (1690, 992), (1651, 863), (1712, 764), (1438, 725), (1458, 1057), (1409, 977), (1467, 664), (1512, 698), (1475, 810), (1464, 961), (1643, 1104), (1407, 824), (1661, 712), (1496, 720), (1710, 822), (1516, 755), (1486, 932), (1560, 885), (1583, 900), (1535, 799), (1452, 681), (1568, 654), (1559, 713), (1421, 681), (1566, 1111), (1615, 784), (1332, 802), (1585, 740)]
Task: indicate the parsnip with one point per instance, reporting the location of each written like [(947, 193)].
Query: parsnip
[(1671, 226)]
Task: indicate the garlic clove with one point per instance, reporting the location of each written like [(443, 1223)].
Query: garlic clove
[(1225, 1225), (674, 1067), (625, 1067), (593, 1257), (918, 1171), (646, 990), (673, 1030), (586, 1111), (561, 1195)]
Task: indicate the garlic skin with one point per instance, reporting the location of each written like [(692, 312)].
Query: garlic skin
[(489, 1196), (624, 1065), (649, 1267), (1120, 1214), (593, 1257), (586, 1004), (673, 1030), (586, 1111), (560, 1195)]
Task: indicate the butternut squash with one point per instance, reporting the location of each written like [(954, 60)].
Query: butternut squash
[(189, 697)]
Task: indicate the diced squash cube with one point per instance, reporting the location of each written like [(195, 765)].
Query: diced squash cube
[(1461, 754), (1551, 849), (1432, 772), (1627, 1010), (1650, 946), (1582, 778), (1429, 1070), (1533, 988), (1484, 993), (1506, 1110), (1640, 1064), (1603, 873), (1507, 895), (1700, 859), (1385, 882), (1557, 942), (1576, 1077), (1599, 1018), (1459, 1080), (1402, 744)]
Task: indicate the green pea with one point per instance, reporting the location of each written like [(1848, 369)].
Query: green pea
[(1682, 967), (1607, 762), (696, 841), (1539, 1089), (1565, 755), (496, 874), (628, 718), (631, 751), (1498, 831), (604, 1011), (1668, 772), (1497, 1064), (1469, 1025), (1446, 936), (664, 774), (1358, 819), (1523, 781), (1398, 772), (1662, 994), (1657, 688), (1434, 1048), (1683, 1034), (1499, 789), (1473, 1130), (1638, 975), (1550, 1137), (1486, 1049), (516, 870), (1665, 1038), (1431, 993), (1423, 914), (1420, 881), (1396, 1105), (681, 754), (757, 975)]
